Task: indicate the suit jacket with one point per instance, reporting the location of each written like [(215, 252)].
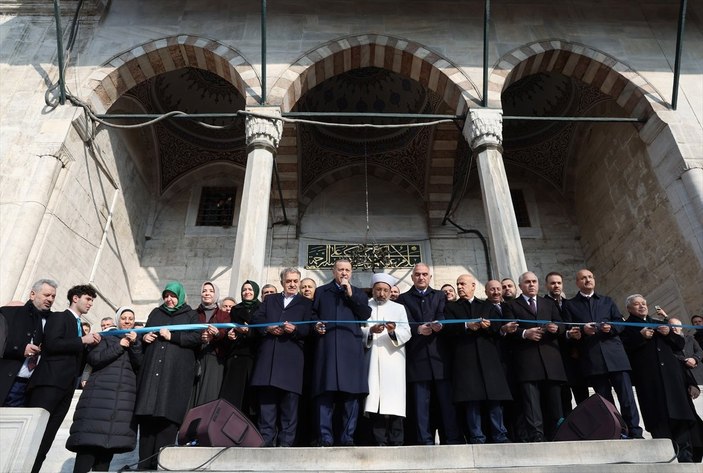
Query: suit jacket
[(428, 356), (536, 361), (23, 326), (339, 363), (601, 353), (62, 353), (279, 360)]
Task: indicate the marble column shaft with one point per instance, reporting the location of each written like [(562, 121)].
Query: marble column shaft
[(25, 208), (484, 132), (263, 136)]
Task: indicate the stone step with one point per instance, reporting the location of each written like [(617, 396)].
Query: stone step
[(627, 456)]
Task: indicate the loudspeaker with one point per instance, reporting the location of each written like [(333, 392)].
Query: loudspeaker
[(218, 424), (596, 418)]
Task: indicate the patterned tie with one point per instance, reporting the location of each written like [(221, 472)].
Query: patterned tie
[(533, 306)]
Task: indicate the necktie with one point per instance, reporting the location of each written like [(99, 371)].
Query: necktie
[(533, 305), (499, 309), (80, 328)]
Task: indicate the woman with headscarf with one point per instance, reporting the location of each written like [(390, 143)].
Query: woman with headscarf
[(211, 358), (104, 422), (166, 376), (240, 358)]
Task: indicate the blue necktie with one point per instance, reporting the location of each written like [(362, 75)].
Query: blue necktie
[(80, 328)]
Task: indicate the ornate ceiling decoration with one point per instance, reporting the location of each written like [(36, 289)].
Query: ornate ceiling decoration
[(543, 146), (368, 90), (184, 144)]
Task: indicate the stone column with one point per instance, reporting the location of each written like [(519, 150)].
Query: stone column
[(263, 136), (484, 132), (22, 211)]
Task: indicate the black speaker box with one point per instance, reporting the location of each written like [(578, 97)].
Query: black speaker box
[(596, 418), (218, 424)]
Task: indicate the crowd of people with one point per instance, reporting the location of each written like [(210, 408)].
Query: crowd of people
[(335, 365)]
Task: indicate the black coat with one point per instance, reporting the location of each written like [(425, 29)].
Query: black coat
[(104, 415), (427, 356), (692, 350), (339, 363), (168, 370), (23, 326), (61, 362), (280, 361), (601, 353), (478, 372), (658, 375), (536, 361), (239, 360)]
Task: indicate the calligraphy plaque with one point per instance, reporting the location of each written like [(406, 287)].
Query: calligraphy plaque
[(365, 256)]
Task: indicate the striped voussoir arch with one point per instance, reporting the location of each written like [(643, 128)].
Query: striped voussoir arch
[(630, 90), (127, 69), (371, 50)]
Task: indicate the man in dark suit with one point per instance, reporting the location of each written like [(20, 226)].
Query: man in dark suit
[(278, 371), (478, 378), (428, 362), (662, 385), (339, 368), (569, 353), (538, 365), (51, 386), (604, 362), (24, 340)]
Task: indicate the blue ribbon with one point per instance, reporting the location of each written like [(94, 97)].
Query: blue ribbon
[(200, 327)]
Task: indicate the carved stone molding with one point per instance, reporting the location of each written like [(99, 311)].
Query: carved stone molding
[(264, 132), (484, 128)]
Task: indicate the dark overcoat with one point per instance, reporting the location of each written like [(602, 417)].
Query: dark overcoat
[(239, 360), (279, 360), (428, 356), (536, 361), (23, 326), (61, 361), (692, 350), (339, 363), (657, 374), (600, 353), (168, 369), (478, 372), (104, 414)]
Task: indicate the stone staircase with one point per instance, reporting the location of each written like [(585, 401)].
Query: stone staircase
[(625, 456), (619, 456)]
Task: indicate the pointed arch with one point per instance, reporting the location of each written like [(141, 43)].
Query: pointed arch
[(147, 60), (372, 50), (630, 90)]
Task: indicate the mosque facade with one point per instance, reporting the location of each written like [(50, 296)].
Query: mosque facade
[(550, 137)]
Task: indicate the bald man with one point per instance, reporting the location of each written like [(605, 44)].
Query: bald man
[(478, 377)]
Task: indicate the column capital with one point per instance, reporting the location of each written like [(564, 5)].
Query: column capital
[(264, 129), (484, 128)]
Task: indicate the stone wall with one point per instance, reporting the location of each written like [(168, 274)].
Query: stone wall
[(629, 235)]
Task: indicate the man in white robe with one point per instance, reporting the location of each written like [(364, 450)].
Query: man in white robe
[(385, 339)]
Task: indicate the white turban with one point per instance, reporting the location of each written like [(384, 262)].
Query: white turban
[(384, 278)]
